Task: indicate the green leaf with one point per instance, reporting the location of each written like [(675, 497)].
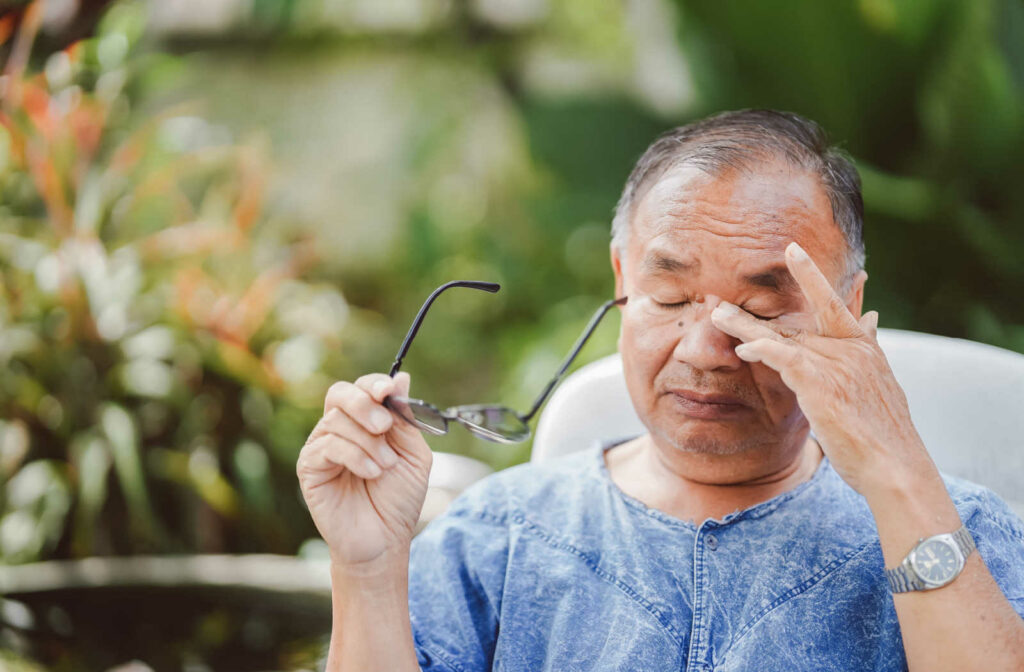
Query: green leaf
[(120, 432)]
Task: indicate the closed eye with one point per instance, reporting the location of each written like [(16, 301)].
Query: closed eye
[(680, 304), (677, 304)]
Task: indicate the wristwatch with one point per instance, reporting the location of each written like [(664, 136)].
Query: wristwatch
[(932, 563)]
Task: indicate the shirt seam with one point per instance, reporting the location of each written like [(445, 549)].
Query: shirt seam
[(587, 559), (756, 511), (501, 520), (448, 663), (982, 512), (802, 587), (998, 522)]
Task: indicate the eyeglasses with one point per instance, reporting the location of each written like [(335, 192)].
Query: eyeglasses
[(488, 421)]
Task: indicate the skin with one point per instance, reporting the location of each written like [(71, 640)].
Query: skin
[(735, 225), (363, 474), (363, 471)]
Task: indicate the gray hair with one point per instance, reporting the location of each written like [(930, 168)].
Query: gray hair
[(740, 140)]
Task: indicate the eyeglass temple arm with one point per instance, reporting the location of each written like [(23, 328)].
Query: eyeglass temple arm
[(491, 287), (580, 342)]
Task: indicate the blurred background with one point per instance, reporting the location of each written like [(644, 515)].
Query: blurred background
[(212, 209)]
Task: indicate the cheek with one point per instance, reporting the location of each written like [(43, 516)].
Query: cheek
[(778, 399), (644, 352), (646, 347)]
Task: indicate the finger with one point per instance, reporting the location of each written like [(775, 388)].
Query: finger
[(343, 452), (785, 357), (402, 432), (356, 403), (869, 323), (377, 385), (737, 322), (336, 422), (328, 456), (402, 383), (832, 317)]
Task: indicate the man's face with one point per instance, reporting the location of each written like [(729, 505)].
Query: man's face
[(695, 241)]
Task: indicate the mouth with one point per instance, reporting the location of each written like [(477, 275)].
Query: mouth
[(708, 406)]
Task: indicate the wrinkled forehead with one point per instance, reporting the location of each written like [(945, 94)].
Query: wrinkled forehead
[(735, 215)]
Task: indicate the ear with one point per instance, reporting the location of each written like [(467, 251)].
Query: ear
[(617, 270), (855, 302)]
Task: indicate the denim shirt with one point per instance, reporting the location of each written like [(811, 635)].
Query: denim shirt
[(553, 567)]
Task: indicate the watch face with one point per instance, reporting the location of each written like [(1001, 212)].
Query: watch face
[(936, 561)]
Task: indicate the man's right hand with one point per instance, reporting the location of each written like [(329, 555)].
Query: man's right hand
[(363, 474)]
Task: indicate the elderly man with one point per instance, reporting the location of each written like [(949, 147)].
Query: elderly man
[(765, 519)]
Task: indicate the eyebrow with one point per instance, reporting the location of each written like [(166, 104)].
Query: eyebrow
[(776, 278)]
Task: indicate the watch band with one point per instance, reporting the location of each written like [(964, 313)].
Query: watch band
[(965, 541), (903, 578)]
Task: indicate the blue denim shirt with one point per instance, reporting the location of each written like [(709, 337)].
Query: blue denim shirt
[(553, 567)]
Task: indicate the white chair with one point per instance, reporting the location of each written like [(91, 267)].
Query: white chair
[(966, 400), (450, 474)]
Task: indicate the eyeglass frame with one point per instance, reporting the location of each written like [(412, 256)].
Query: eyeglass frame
[(454, 413)]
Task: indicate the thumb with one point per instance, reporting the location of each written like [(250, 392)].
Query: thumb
[(869, 323), (404, 427), (402, 383)]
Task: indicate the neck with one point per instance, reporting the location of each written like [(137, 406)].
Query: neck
[(696, 486)]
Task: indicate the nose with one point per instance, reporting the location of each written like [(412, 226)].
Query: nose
[(703, 345)]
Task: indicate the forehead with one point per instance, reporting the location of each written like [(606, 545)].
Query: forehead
[(738, 221)]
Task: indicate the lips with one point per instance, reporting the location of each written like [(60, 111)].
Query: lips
[(710, 406), (709, 398)]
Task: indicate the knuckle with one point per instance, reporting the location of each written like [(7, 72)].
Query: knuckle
[(303, 459), (352, 399), (369, 380), (335, 393), (343, 453), (333, 419), (338, 388), (796, 360), (797, 335)]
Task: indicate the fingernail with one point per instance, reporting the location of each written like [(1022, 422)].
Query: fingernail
[(797, 251), (388, 456), (379, 419), (371, 467), (725, 309)]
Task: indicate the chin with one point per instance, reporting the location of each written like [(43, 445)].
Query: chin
[(708, 438)]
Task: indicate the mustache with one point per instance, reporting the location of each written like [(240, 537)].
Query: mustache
[(731, 389)]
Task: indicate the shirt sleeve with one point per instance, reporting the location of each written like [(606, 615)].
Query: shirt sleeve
[(999, 535), (456, 574)]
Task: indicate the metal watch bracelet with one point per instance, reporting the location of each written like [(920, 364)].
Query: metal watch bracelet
[(904, 578)]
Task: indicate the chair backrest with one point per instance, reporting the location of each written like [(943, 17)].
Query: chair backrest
[(966, 400)]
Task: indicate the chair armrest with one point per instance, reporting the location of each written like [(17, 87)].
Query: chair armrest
[(450, 474)]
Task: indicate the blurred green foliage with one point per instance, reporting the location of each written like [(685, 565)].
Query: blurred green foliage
[(209, 211), (154, 332), (176, 301)]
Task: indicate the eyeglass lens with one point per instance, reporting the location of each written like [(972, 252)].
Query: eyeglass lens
[(419, 413), (495, 421)]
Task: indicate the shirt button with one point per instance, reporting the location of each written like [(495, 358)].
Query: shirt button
[(712, 541)]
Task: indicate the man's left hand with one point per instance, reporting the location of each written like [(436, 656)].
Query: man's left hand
[(841, 378)]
